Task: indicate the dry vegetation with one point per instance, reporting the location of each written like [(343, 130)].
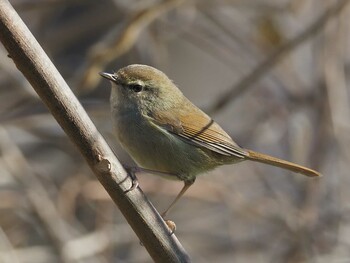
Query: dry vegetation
[(273, 73)]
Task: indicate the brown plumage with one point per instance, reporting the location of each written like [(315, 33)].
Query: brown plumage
[(163, 131)]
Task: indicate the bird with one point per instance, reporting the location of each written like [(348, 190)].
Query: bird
[(163, 131)]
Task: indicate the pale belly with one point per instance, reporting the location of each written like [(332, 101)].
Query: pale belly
[(153, 148)]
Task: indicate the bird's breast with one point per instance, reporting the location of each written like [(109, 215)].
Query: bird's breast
[(154, 148)]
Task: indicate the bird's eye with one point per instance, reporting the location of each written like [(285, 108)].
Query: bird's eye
[(136, 87)]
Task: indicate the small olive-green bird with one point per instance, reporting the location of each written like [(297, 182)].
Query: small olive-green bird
[(163, 131)]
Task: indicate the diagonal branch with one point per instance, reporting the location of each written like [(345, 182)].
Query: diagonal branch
[(101, 55), (32, 61), (261, 69)]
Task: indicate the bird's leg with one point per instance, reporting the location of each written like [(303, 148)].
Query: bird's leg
[(183, 190), (132, 170)]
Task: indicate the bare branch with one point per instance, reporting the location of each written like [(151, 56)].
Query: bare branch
[(261, 69), (101, 55), (32, 61)]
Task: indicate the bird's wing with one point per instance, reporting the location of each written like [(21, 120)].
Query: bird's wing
[(202, 132)]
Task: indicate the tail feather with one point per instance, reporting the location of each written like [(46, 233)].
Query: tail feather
[(263, 158)]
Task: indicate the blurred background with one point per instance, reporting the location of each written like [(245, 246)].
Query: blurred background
[(273, 73)]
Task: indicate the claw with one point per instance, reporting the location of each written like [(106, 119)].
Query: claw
[(134, 183)]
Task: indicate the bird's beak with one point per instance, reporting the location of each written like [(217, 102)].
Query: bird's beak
[(108, 76)]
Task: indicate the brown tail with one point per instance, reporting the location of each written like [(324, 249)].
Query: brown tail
[(263, 158)]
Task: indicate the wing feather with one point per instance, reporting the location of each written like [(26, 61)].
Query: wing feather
[(203, 132)]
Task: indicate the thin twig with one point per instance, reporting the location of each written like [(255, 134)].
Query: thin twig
[(36, 193), (101, 55), (261, 69)]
